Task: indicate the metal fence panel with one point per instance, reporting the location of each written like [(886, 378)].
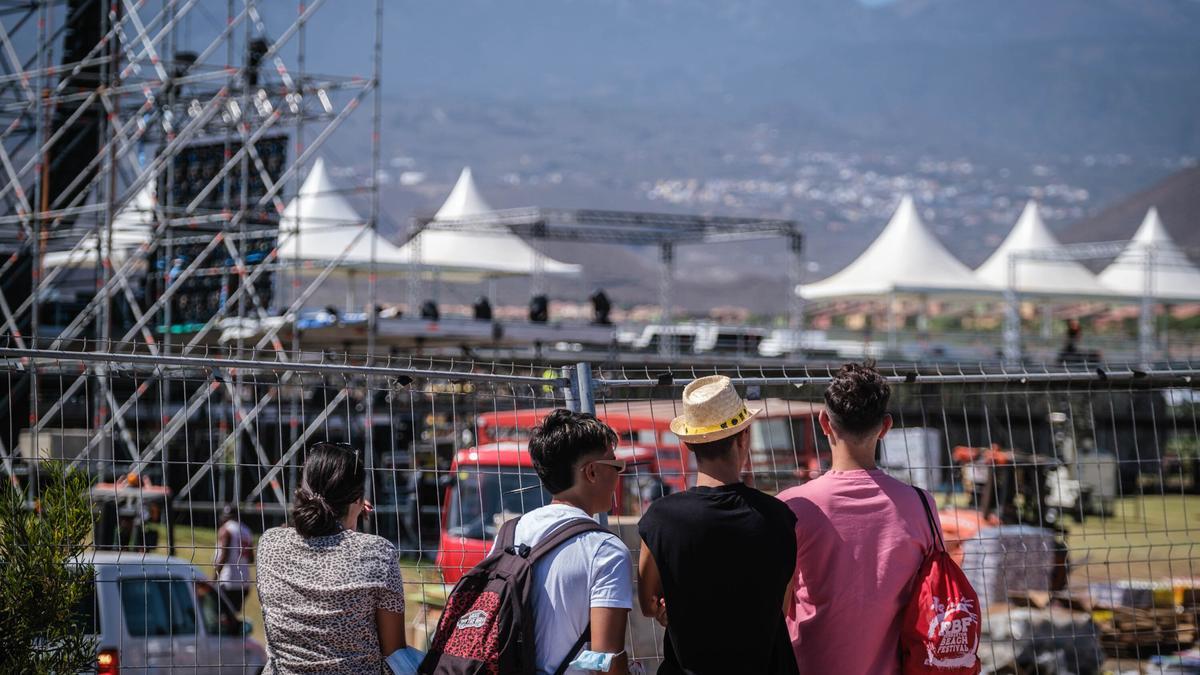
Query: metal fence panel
[(1068, 496)]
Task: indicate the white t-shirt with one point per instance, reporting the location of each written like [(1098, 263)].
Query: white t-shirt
[(236, 570), (598, 561)]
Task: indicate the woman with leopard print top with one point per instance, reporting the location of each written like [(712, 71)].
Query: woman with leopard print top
[(332, 597)]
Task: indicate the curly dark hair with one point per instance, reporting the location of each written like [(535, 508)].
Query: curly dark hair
[(558, 443), (857, 399)]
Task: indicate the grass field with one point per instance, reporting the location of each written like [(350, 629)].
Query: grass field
[(197, 545), (1146, 537), (1152, 537)]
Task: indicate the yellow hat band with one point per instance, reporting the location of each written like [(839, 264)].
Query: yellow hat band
[(732, 422)]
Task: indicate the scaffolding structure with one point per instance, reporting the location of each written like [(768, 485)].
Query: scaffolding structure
[(203, 114), (1149, 262)]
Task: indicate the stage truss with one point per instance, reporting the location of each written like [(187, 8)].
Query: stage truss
[(106, 107)]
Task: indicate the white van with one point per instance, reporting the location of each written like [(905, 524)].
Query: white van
[(159, 614)]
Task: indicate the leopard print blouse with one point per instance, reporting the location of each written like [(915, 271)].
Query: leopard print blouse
[(319, 597)]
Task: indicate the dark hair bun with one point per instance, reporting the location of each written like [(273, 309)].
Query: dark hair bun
[(312, 514), (334, 478)]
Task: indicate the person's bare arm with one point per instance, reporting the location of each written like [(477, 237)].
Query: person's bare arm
[(650, 592), (608, 636), (391, 631), (222, 551)]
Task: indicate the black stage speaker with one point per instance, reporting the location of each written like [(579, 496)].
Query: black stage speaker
[(211, 287)]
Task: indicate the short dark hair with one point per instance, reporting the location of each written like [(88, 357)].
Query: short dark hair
[(558, 443), (857, 399), (715, 449), (334, 477)]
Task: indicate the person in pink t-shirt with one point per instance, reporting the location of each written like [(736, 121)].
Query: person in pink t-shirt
[(861, 537)]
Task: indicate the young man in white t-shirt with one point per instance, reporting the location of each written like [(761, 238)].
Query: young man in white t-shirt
[(588, 578)]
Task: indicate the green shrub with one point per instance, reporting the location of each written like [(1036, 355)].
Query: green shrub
[(41, 533)]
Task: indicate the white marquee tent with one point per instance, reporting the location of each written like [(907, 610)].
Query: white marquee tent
[(1037, 276), (906, 258), (464, 255), (132, 226), (319, 225), (1172, 276)]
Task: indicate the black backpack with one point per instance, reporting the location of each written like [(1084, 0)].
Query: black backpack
[(487, 626)]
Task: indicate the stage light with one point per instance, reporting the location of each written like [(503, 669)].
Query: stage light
[(601, 306), (482, 309), (539, 309)]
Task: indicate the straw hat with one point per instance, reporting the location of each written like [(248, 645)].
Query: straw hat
[(712, 410)]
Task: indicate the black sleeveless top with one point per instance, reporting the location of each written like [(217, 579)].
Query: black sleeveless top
[(726, 555)]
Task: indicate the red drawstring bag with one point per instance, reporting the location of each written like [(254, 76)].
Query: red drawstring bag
[(940, 633)]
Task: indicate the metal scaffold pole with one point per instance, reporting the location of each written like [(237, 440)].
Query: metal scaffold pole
[(1146, 312), (666, 282), (796, 304), (372, 284), (1012, 315)]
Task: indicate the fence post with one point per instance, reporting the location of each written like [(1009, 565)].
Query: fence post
[(569, 388), (585, 401), (583, 388)]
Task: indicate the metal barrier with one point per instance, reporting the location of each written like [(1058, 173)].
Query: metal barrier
[(1068, 495)]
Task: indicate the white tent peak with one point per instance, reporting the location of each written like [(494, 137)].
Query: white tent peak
[(320, 226), (1152, 231), (905, 258), (1173, 277), (470, 256), (464, 199), (1058, 277), (906, 223), (319, 204), (318, 180), (132, 226), (907, 211)]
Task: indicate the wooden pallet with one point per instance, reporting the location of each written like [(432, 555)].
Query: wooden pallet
[(1124, 628)]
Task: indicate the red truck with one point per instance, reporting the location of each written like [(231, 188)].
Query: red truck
[(495, 480)]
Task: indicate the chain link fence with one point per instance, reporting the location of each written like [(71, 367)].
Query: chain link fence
[(1070, 497)]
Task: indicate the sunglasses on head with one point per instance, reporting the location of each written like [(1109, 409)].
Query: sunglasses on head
[(346, 447)]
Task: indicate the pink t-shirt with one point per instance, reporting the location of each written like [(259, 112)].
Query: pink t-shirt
[(861, 537)]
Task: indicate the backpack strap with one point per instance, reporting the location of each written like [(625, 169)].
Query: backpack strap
[(583, 638), (933, 528), (508, 534), (572, 529)]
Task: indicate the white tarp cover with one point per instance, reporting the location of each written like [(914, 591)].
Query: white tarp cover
[(460, 254), (1044, 277), (1173, 276), (132, 226), (319, 224), (906, 258)]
